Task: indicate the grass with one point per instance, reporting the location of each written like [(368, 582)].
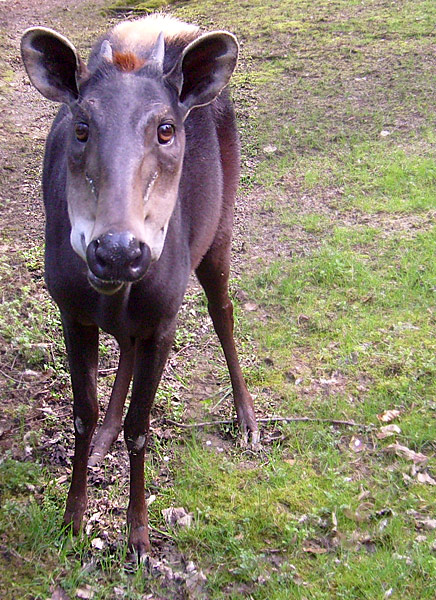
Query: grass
[(336, 212)]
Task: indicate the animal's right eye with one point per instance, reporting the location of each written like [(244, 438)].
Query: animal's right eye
[(165, 133), (82, 131)]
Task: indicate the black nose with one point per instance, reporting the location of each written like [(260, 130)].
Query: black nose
[(118, 257)]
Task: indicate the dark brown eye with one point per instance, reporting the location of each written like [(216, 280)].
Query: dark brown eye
[(165, 133), (82, 131)]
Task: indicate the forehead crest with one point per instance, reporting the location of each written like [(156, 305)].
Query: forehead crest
[(127, 61), (142, 33), (133, 41)]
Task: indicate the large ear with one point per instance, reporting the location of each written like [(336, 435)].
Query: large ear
[(204, 68), (52, 63)]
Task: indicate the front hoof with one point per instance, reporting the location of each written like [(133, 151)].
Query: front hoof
[(139, 543), (254, 440), (73, 519)]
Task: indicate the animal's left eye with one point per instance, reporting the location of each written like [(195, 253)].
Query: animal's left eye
[(81, 131), (165, 133)]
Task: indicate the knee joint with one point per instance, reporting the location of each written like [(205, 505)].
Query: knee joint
[(84, 427), (135, 444)]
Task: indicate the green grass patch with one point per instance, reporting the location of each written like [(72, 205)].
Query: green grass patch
[(258, 526)]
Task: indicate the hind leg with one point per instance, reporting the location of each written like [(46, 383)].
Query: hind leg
[(111, 425), (213, 274), (213, 270)]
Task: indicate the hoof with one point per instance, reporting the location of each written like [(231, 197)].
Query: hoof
[(103, 441), (249, 429), (73, 519), (251, 440), (139, 543)]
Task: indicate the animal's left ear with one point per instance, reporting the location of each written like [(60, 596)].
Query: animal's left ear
[(204, 68)]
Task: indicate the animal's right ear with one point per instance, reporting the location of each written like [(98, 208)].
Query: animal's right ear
[(52, 63)]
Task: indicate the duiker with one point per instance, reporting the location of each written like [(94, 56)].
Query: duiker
[(140, 175)]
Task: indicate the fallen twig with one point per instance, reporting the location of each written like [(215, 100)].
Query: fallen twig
[(107, 371), (10, 377), (265, 420), (14, 553)]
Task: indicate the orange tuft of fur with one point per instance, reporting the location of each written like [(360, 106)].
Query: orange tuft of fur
[(127, 61)]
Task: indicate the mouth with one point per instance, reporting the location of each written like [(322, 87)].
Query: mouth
[(102, 286)]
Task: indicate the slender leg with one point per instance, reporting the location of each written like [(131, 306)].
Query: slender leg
[(150, 359), (82, 348), (213, 274), (111, 426)]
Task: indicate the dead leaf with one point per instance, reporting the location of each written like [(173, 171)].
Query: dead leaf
[(62, 479), (382, 525), (364, 494), (28, 374), (250, 306), (85, 592), (97, 543), (387, 431), (195, 582), (334, 522), (313, 548), (404, 557), (302, 319), (185, 522), (177, 516), (388, 416), (425, 478), (405, 452), (428, 524), (361, 514), (356, 444), (59, 594), (384, 512), (270, 149), (92, 519)]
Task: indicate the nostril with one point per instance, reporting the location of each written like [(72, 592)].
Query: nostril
[(136, 262), (99, 254), (118, 257), (100, 262), (95, 261)]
